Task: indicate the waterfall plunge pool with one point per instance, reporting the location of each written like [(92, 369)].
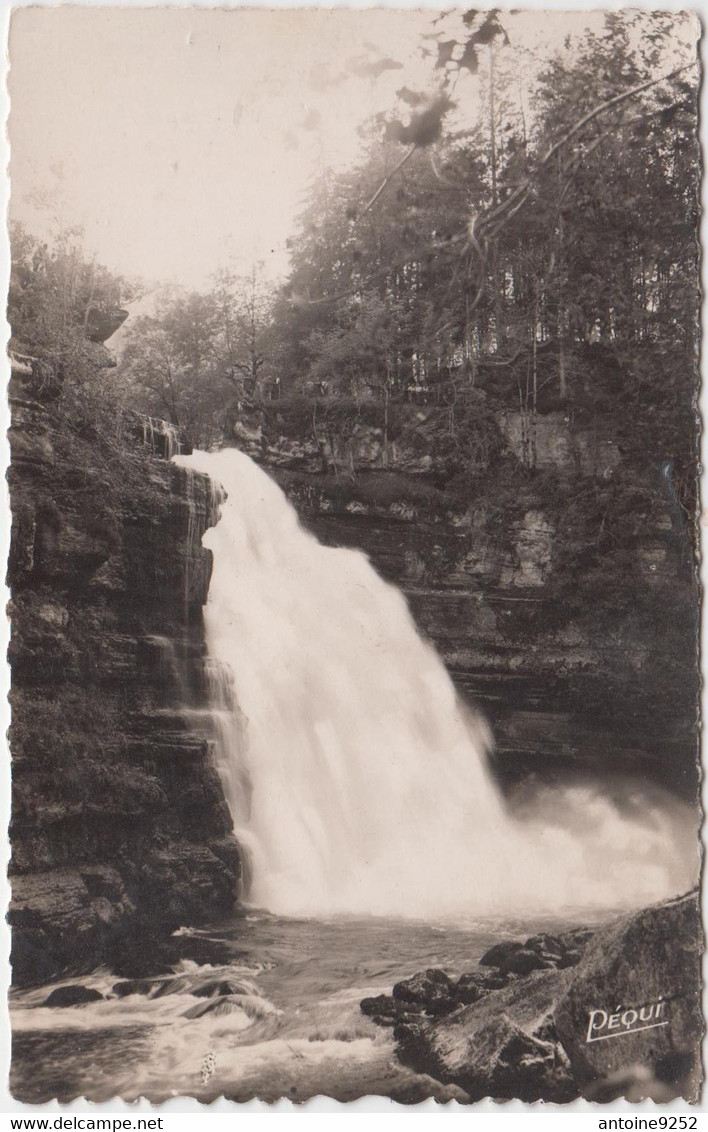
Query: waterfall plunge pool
[(300, 1033), (376, 836)]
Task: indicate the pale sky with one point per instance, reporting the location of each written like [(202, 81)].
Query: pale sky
[(184, 139)]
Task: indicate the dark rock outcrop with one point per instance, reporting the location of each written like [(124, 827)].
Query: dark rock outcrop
[(433, 993), (103, 321), (74, 995), (385, 1009), (474, 985), (431, 988), (538, 953), (217, 988), (136, 986), (544, 1034), (219, 1007), (637, 997), (502, 1046), (120, 831)]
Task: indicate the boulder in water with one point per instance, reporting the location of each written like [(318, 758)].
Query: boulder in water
[(514, 958), (570, 958), (473, 985), (136, 986), (498, 955), (503, 1045), (544, 941), (524, 961), (75, 995), (431, 989), (385, 1009), (204, 985), (178, 984), (547, 946), (217, 988), (564, 950), (577, 938), (252, 1007), (216, 1006)]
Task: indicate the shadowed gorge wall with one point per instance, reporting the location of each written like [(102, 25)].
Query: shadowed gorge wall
[(120, 830)]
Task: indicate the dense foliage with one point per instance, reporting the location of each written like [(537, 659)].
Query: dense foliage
[(58, 304), (191, 357), (498, 253), (61, 307), (519, 237)]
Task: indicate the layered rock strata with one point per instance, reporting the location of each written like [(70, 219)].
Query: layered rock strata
[(571, 626), (120, 831)]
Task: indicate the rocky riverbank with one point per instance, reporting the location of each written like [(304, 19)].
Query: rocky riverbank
[(533, 1020)]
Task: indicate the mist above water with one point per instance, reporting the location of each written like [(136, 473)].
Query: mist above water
[(355, 776)]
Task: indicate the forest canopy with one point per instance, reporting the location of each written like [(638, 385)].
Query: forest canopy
[(537, 249)]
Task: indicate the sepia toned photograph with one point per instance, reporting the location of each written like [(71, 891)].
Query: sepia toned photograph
[(353, 381)]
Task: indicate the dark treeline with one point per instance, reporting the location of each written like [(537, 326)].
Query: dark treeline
[(504, 259), (544, 257)]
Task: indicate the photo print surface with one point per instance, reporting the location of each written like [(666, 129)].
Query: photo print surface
[(354, 562)]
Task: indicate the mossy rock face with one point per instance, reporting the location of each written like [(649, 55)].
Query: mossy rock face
[(116, 803)]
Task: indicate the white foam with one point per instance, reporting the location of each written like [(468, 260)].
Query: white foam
[(368, 783)]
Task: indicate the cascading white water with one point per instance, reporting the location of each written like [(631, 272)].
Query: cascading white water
[(161, 436), (369, 788)]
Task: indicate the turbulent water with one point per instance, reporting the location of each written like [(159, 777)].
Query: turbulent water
[(357, 779), (359, 787), (294, 1029)]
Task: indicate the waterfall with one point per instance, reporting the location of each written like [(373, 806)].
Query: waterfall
[(161, 437), (355, 775)]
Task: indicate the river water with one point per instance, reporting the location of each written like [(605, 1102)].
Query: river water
[(374, 834), (299, 1032)]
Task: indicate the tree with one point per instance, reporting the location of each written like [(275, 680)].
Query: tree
[(242, 314), (542, 253), (194, 356), (169, 368), (62, 305)]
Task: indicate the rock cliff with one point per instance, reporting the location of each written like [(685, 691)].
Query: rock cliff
[(562, 597), (120, 831)]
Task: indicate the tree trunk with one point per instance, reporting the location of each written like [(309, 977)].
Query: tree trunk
[(562, 315), (498, 330), (385, 435)]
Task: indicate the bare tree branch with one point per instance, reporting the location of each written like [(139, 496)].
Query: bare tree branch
[(407, 155), (489, 224), (606, 106), (524, 188)]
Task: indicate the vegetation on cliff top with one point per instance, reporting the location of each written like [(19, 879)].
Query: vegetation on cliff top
[(472, 257), (537, 257)]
